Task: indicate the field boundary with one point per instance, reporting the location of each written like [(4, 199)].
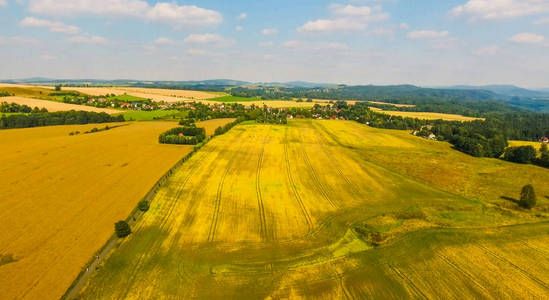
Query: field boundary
[(133, 217)]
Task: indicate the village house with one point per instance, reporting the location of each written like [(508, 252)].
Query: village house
[(544, 139)]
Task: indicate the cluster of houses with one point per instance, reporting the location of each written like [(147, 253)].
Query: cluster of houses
[(425, 132)]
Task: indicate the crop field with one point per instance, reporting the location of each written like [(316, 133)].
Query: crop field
[(426, 115), (334, 210), (392, 104), (52, 106), (536, 145), (166, 95), (62, 194)]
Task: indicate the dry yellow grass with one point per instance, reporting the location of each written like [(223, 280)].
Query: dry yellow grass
[(62, 194), (426, 115), (52, 106)]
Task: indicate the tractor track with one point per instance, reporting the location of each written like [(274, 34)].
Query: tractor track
[(518, 268), (331, 158), (410, 283), (312, 171), (297, 197), (217, 209), (162, 224), (461, 271), (263, 228)]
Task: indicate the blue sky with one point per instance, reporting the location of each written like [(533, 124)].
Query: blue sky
[(423, 42)]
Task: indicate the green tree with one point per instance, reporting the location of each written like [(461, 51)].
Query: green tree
[(58, 87), (143, 205), (544, 153), (523, 154), (527, 197), (122, 229)]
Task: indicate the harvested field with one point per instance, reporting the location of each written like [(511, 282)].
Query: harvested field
[(62, 194), (317, 209), (426, 115), (392, 104), (52, 106), (280, 103), (170, 96)]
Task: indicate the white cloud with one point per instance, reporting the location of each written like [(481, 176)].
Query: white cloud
[(364, 13), (266, 44), (47, 57), (239, 28), (51, 25), (209, 39), (427, 34), (346, 18), (404, 26), (527, 38), (202, 52), (269, 31), (163, 41), (88, 39), (542, 21), (242, 16), (500, 9), (310, 46), (332, 25), (487, 51), (163, 12), (3, 3)]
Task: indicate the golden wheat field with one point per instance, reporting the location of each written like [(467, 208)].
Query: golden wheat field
[(62, 194), (426, 115), (392, 104), (170, 96), (536, 145), (52, 106), (314, 210)]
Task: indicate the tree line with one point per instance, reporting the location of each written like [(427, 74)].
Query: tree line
[(56, 118), (6, 107), (183, 136)]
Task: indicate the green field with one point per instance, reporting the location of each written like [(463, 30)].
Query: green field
[(334, 210), (140, 115), (127, 98)]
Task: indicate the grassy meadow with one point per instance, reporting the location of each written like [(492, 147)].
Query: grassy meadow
[(62, 194), (333, 210)]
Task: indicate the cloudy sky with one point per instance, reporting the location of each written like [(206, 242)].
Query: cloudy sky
[(423, 42)]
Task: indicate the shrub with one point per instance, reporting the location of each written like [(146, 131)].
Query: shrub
[(523, 154), (143, 206), (527, 197), (122, 229)]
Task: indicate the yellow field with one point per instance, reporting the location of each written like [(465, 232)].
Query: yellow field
[(52, 106), (536, 145), (280, 104), (170, 96), (392, 104), (62, 194), (268, 211), (426, 115)]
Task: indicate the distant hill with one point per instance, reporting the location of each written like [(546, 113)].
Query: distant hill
[(507, 90)]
